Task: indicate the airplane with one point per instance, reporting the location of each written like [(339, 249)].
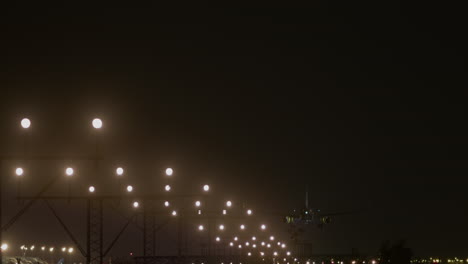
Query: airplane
[(298, 220)]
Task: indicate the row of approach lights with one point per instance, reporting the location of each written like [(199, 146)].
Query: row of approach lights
[(5, 246), (26, 123), (253, 245)]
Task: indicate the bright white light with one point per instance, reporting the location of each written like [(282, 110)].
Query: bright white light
[(166, 203), (263, 243), (275, 253), (136, 204), (129, 188), (25, 123), (288, 253), (70, 250), (91, 189), (32, 247), (218, 239), (231, 244), (167, 187), (64, 249), (242, 227), (240, 246), (206, 187), (169, 171), (224, 211), (254, 238), (19, 171), (51, 249), (197, 203), (262, 253), (272, 238), (174, 213), (199, 211), (279, 243), (228, 203), (249, 212), (247, 243), (200, 227), (235, 238), (43, 248), (221, 227), (4, 246), (268, 245), (254, 246), (249, 254), (283, 245), (69, 171), (97, 123), (263, 227), (119, 171)]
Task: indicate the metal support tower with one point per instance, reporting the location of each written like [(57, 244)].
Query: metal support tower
[(95, 232)]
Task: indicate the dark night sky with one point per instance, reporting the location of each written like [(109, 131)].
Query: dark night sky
[(365, 103)]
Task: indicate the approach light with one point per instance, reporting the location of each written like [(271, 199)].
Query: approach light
[(242, 227), (70, 250), (19, 171), (129, 188), (4, 246), (166, 203), (283, 245), (69, 171), (119, 171), (254, 245), (263, 227), (221, 227), (288, 253), (25, 123), (167, 187), (268, 245), (32, 247), (197, 203), (249, 212), (43, 248), (200, 227), (247, 243), (169, 171), (249, 254), (279, 243), (51, 249), (231, 244), (206, 187), (263, 243), (275, 253), (136, 204), (272, 238), (228, 203), (97, 123), (224, 211), (218, 239), (174, 213), (235, 238), (91, 189), (64, 249), (199, 212), (240, 246), (262, 253)]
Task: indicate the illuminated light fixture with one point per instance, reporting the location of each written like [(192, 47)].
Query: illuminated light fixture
[(254, 246), (199, 211), (69, 171), (235, 238), (249, 212), (206, 187), (247, 243), (242, 227), (262, 253), (272, 238), (249, 254), (275, 253), (218, 239), (166, 203), (231, 244), (279, 243), (284, 246), (51, 249), (200, 227), (228, 203), (268, 245), (91, 189), (136, 204), (25, 123), (263, 243), (70, 250), (174, 213), (240, 246), (224, 211), (119, 171), (288, 253), (167, 188), (221, 227), (263, 227), (97, 123), (64, 249), (4, 246), (129, 188), (197, 203), (32, 247), (169, 171), (254, 238), (19, 171)]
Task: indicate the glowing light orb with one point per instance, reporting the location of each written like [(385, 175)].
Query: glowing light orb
[(25, 123), (19, 171), (91, 189), (169, 171), (97, 123), (119, 171), (69, 171)]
